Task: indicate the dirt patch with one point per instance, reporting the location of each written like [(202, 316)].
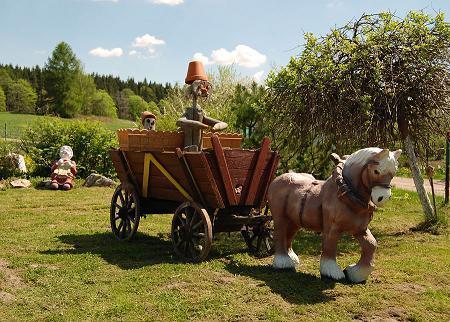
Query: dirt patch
[(409, 288), (390, 315), (175, 285), (6, 297), (12, 280)]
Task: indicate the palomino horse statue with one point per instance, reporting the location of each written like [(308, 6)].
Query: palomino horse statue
[(344, 203)]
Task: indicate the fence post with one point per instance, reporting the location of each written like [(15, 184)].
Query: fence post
[(447, 168)]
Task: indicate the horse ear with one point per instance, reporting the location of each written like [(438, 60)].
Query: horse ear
[(381, 155), (397, 154)]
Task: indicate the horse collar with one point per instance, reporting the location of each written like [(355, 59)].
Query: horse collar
[(347, 192)]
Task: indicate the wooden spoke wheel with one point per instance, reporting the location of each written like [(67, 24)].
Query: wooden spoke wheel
[(259, 238), (125, 213), (191, 232)]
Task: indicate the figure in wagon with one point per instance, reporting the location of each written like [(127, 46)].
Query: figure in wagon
[(344, 203), (194, 120)]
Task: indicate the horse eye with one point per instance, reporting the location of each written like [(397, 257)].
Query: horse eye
[(377, 172)]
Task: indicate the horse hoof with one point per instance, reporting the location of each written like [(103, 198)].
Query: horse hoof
[(283, 262), (357, 274), (329, 268)]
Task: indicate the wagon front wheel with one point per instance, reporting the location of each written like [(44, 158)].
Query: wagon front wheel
[(125, 213), (191, 232)]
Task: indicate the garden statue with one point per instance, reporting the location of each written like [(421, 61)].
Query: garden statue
[(344, 203), (148, 120), (194, 120), (63, 170)]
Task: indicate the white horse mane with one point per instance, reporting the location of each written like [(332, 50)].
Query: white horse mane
[(361, 157)]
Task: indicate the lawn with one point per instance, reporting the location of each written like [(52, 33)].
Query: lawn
[(59, 261), (17, 123)]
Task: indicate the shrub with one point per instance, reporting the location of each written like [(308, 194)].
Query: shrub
[(89, 140)]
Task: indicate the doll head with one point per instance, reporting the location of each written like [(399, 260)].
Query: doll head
[(66, 152)]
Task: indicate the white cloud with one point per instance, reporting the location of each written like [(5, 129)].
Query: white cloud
[(168, 2), (147, 41), (258, 77), (202, 58), (242, 55), (106, 53), (132, 53)]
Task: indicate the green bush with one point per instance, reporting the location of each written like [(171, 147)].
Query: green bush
[(89, 140)]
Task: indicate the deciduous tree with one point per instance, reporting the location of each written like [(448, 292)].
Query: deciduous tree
[(376, 81)]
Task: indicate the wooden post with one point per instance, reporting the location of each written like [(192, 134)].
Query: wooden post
[(257, 173), (223, 169), (447, 169)]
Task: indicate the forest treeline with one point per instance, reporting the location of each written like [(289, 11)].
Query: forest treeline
[(61, 87)]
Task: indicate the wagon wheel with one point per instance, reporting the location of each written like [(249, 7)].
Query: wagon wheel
[(125, 213), (259, 238), (191, 232)]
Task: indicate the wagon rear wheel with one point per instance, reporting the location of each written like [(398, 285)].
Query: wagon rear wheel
[(259, 239), (125, 213), (191, 232)]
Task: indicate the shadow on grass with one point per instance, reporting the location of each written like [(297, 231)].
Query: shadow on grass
[(144, 250), (294, 287), (309, 243)]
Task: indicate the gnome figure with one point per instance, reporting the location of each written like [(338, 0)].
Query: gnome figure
[(63, 170), (148, 120), (194, 120)]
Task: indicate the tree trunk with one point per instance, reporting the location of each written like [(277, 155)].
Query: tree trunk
[(418, 180)]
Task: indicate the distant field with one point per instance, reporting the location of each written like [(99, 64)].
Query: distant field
[(17, 123)]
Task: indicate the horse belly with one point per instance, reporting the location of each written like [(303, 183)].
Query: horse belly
[(311, 217)]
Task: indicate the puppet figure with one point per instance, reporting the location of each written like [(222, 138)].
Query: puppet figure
[(63, 170), (148, 120), (194, 120)]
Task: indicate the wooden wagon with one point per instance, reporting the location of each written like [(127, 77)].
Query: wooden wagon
[(220, 189)]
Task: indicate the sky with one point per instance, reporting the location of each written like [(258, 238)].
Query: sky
[(156, 39)]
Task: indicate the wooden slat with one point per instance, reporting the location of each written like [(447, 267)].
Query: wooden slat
[(223, 169), (257, 172), (212, 184), (273, 168), (131, 174)]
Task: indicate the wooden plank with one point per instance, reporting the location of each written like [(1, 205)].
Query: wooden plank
[(168, 175), (273, 168), (223, 170), (257, 172), (167, 194), (212, 184), (130, 172)]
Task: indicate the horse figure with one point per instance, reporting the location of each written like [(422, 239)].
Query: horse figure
[(344, 203)]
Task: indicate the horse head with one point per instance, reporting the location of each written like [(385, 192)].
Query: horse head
[(371, 170)]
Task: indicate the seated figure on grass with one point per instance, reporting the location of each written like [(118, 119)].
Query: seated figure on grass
[(194, 121), (63, 170)]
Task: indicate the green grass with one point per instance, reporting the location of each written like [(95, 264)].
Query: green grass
[(60, 262), (17, 123)]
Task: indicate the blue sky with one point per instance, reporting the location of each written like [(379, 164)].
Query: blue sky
[(157, 38)]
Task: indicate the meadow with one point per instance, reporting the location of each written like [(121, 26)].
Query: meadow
[(59, 261), (16, 123)]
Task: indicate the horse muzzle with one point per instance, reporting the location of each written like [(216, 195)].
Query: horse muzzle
[(381, 195)]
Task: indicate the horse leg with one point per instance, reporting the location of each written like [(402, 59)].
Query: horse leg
[(281, 260), (328, 266), (358, 273), (291, 231)]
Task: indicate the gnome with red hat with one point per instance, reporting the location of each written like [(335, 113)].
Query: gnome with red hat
[(194, 120)]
